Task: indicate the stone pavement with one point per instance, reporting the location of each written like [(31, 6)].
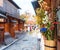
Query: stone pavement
[(9, 40), (27, 43)]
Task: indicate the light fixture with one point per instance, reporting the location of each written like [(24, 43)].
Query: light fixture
[(1, 19)]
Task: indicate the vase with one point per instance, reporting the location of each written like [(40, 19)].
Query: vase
[(50, 45)]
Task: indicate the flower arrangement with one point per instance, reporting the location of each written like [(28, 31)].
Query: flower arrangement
[(49, 30), (48, 25)]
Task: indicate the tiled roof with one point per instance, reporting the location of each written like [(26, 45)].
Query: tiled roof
[(14, 4), (3, 16)]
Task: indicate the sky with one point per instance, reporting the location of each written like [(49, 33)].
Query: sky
[(25, 6)]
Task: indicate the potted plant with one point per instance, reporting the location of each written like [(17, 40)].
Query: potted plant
[(47, 29), (50, 42)]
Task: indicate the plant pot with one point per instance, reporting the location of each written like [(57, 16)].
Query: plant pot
[(50, 45)]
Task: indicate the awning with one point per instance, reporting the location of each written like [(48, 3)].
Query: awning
[(2, 16)]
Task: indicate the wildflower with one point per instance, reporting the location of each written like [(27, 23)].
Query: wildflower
[(43, 29), (55, 23), (52, 28)]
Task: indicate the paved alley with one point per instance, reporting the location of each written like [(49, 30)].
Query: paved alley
[(27, 43), (9, 40)]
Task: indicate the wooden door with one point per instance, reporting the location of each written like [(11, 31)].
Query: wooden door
[(7, 27), (12, 33)]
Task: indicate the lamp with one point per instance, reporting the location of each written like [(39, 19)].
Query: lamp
[(1, 19)]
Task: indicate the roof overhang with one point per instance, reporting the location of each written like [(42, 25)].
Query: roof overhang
[(14, 21), (2, 16), (11, 1)]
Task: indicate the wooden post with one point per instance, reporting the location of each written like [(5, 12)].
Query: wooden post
[(1, 33), (12, 33)]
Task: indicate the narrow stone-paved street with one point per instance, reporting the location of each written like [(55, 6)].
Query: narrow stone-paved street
[(27, 43), (29, 24)]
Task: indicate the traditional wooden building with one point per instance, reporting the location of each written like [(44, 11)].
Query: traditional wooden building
[(55, 5), (9, 17), (58, 26)]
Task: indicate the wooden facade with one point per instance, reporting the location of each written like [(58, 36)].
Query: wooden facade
[(2, 27), (58, 26), (21, 25), (10, 10)]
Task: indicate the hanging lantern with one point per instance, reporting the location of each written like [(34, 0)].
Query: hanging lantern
[(1, 19)]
